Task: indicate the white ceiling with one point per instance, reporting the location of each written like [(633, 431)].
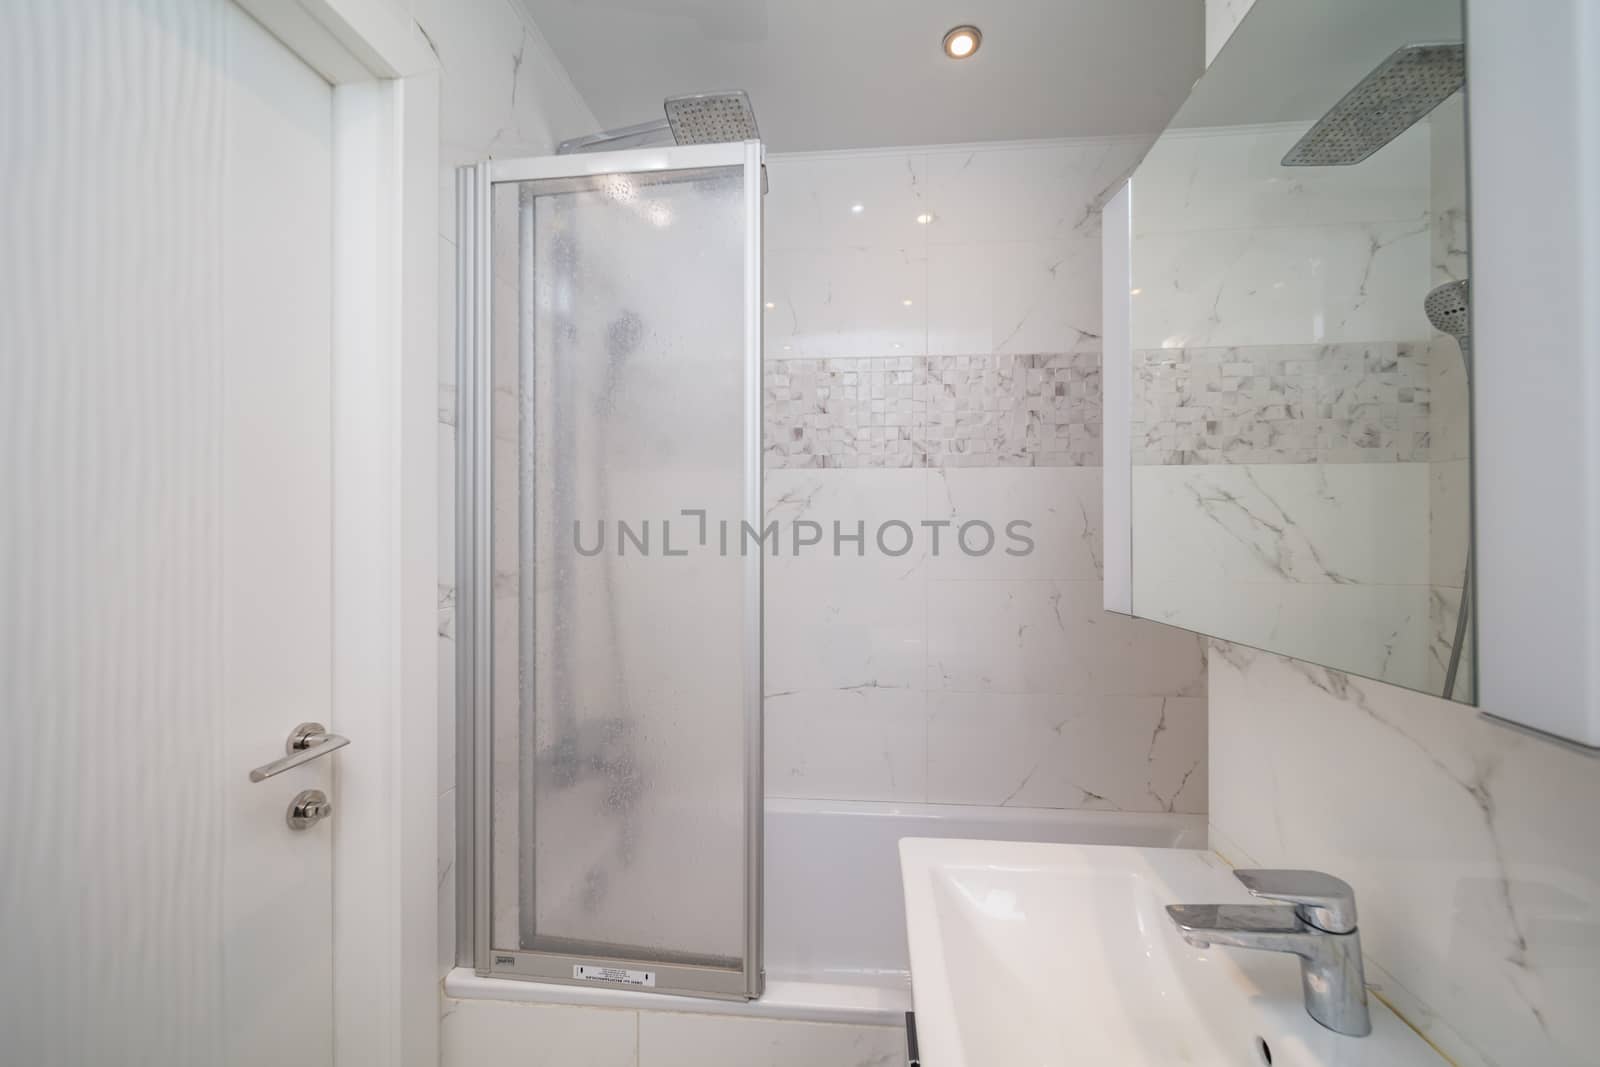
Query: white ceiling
[(866, 73)]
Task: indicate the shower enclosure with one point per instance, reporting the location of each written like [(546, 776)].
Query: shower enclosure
[(609, 588)]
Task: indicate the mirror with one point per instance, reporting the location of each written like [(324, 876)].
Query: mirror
[(1301, 463)]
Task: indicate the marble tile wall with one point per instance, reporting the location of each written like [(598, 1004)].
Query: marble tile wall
[(992, 410), (954, 251), (940, 676), (1339, 403), (1284, 557), (1472, 847), (995, 679), (1229, 250)]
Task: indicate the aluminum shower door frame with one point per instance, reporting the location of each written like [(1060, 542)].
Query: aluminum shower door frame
[(474, 645)]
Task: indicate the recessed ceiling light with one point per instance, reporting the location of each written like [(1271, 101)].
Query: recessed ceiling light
[(856, 209), (962, 42), (907, 303), (924, 218)]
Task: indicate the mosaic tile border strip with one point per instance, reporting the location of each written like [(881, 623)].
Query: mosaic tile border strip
[(1039, 410), (1341, 403)]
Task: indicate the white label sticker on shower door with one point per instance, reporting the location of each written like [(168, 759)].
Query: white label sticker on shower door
[(590, 973)]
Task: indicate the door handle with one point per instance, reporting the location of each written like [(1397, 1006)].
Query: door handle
[(306, 742)]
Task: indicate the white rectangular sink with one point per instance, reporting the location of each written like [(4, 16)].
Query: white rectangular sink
[(1033, 955)]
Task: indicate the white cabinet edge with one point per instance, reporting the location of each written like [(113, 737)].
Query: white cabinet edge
[(1534, 132)]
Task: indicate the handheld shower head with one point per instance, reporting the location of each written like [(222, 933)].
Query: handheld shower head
[(1447, 308)]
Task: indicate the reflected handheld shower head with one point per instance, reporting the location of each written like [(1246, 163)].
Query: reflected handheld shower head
[(1447, 308)]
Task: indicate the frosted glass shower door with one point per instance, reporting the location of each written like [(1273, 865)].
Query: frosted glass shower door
[(619, 397)]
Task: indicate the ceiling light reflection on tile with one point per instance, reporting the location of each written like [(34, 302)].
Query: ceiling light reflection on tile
[(856, 209), (924, 218)]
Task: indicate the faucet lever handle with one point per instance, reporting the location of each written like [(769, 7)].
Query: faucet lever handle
[(1326, 902)]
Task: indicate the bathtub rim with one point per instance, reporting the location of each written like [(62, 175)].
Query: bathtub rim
[(1185, 823)]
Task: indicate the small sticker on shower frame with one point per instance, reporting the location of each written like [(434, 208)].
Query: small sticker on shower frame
[(588, 972)]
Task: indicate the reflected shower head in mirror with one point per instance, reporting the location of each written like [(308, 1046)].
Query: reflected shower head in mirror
[(1386, 103), (711, 118), (1447, 308)]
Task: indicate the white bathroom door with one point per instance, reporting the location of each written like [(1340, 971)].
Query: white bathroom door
[(277, 552)]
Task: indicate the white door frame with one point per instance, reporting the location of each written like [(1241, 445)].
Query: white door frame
[(385, 503)]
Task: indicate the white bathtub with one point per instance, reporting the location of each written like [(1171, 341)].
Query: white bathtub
[(835, 918), (834, 911)]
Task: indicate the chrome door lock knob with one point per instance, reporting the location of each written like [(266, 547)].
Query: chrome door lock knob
[(310, 806)]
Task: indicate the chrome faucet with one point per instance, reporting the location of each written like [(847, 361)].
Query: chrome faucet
[(1320, 928)]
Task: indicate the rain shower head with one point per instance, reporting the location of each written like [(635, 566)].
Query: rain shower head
[(1447, 308), (701, 118), (711, 118), (1401, 90)]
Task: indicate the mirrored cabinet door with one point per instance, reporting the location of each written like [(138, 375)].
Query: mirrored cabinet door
[(1300, 350)]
